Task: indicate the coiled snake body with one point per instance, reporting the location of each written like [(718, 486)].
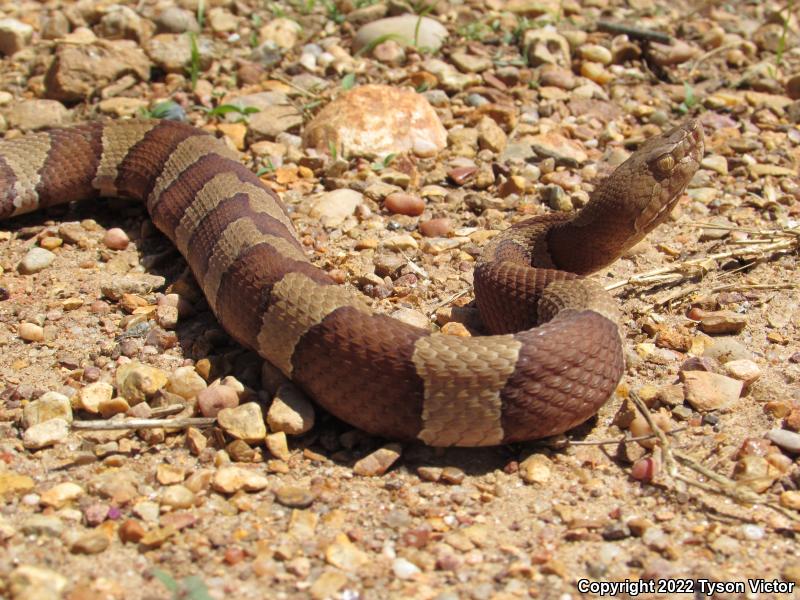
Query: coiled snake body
[(374, 372)]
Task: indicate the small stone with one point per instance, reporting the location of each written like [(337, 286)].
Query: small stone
[(290, 412), (404, 569), (196, 441), (378, 462), (727, 349), (490, 136), (174, 19), (61, 495), (27, 582), (14, 36), (332, 208), (229, 480), (45, 434), (213, 399), (294, 496), (709, 391), (326, 585), (93, 542), (137, 381), (722, 322), (785, 439), (596, 53), (35, 260), (408, 30), (245, 422), (452, 475), (132, 531), (755, 472), (401, 203), (30, 332), (186, 383), (535, 469), (50, 405), (744, 370), (167, 474), (440, 227), (91, 396), (342, 553), (278, 445), (14, 484), (177, 497), (429, 473), (790, 499)]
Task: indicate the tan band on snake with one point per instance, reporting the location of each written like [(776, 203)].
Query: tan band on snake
[(556, 354)]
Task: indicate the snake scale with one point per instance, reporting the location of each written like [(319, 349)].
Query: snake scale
[(555, 353)]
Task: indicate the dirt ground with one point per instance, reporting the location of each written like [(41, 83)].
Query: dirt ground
[(144, 511)]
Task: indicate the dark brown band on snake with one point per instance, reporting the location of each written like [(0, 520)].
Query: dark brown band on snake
[(556, 356)]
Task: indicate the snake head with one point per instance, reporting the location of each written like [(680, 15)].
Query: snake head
[(663, 167)]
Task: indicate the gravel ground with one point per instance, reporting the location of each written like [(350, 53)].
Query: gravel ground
[(531, 101)]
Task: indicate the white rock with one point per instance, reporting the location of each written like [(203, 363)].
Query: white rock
[(45, 434), (37, 259)]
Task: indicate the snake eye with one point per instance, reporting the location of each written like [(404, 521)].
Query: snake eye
[(665, 163)]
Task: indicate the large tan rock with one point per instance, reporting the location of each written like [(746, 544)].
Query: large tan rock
[(80, 71), (376, 120)]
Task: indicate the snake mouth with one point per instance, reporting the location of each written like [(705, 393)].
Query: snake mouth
[(680, 153)]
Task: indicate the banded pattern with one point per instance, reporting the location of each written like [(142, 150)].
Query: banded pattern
[(376, 373)]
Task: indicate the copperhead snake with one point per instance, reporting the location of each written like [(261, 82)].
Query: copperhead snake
[(555, 353)]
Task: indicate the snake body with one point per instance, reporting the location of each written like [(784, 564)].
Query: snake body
[(555, 353)]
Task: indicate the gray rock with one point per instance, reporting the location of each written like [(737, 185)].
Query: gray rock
[(785, 439), (37, 259), (271, 121), (404, 30), (174, 19)]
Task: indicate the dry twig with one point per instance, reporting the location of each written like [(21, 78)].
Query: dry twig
[(111, 425)]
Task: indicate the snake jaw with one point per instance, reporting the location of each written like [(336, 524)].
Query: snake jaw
[(671, 170)]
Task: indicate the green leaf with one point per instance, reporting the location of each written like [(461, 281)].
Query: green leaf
[(167, 580), (348, 81)]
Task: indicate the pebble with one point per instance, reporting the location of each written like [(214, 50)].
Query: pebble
[(186, 382), (278, 445), (790, 499), (177, 496), (30, 332), (93, 542), (537, 468), (401, 203), (229, 480), (409, 30), (14, 36), (116, 239), (27, 582), (245, 422), (332, 208), (61, 495), (744, 370), (709, 391), (215, 398), (174, 19), (137, 381), (722, 322), (294, 496), (51, 405), (378, 462), (785, 439), (439, 227), (35, 260), (345, 555), (45, 434), (290, 412), (404, 569), (131, 531), (327, 585), (13, 483), (91, 396)]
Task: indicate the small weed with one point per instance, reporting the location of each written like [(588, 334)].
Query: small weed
[(422, 87), (189, 588), (164, 110), (224, 109), (201, 13), (334, 14), (382, 164), (348, 81), (366, 50), (784, 34), (256, 22), (333, 151), (268, 168), (194, 61), (276, 9), (474, 31), (689, 99)]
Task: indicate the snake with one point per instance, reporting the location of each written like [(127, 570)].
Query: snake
[(553, 352)]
